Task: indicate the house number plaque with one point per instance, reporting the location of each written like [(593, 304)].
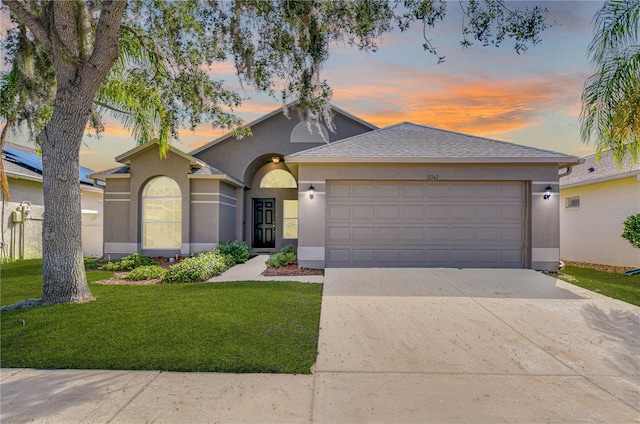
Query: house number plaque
[(433, 177)]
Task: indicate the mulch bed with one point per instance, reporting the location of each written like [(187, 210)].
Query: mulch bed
[(600, 267), (291, 270), (285, 271)]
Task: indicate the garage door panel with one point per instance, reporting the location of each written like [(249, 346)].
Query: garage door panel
[(491, 191), (392, 191), (367, 191), (388, 255), (461, 191), (339, 190), (388, 212), (414, 213), (448, 224), (462, 213), (438, 212), (435, 191), (363, 235), (513, 213), (338, 212)]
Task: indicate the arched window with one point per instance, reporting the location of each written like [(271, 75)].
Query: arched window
[(278, 178), (161, 214)]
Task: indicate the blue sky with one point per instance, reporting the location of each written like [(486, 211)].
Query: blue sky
[(531, 99)]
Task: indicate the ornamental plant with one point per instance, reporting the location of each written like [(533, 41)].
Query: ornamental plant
[(239, 250), (128, 263), (286, 256), (198, 268), (631, 231), (147, 272)]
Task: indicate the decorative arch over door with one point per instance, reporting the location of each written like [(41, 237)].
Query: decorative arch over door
[(161, 214)]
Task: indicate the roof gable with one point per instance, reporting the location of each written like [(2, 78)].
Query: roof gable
[(125, 158), (273, 113), (408, 142), (606, 169)]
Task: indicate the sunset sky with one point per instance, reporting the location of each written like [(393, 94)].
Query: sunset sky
[(531, 99)]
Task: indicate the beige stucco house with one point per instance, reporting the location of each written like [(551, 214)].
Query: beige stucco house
[(22, 216), (595, 199), (404, 195)]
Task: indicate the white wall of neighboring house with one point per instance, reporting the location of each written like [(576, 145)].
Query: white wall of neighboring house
[(92, 222), (592, 232), (23, 237)]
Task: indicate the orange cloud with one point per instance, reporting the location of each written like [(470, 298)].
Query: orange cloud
[(471, 104)]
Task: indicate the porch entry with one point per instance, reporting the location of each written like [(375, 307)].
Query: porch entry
[(264, 223)]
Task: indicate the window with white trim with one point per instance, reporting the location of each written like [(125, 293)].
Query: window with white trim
[(161, 214), (572, 202), (278, 178), (290, 219)]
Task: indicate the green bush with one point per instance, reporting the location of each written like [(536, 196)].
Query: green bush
[(147, 272), (198, 268), (286, 256), (631, 231), (91, 263), (129, 262), (239, 250)]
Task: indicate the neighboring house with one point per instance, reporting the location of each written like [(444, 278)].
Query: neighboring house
[(595, 199), (22, 217), (404, 195)]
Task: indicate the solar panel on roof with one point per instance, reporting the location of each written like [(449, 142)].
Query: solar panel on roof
[(32, 161), (35, 162)]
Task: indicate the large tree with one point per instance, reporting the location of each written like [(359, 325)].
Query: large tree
[(147, 62), (611, 96)]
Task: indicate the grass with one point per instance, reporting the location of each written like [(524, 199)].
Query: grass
[(267, 327), (617, 286)]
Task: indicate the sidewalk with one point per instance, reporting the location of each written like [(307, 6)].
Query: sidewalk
[(252, 271)]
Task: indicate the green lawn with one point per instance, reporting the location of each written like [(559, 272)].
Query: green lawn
[(223, 327), (618, 286)]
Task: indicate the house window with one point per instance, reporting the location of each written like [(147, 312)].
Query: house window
[(278, 178), (572, 203), (161, 214), (290, 219)]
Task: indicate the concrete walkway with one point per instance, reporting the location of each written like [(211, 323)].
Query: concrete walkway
[(438, 345), (252, 271)]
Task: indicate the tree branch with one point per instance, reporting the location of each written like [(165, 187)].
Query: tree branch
[(106, 47), (21, 12)]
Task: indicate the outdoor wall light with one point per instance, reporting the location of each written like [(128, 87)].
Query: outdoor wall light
[(312, 191), (547, 193)]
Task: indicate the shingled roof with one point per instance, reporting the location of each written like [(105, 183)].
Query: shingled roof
[(408, 142), (606, 169)]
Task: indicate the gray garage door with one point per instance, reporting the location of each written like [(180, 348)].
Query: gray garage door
[(425, 224)]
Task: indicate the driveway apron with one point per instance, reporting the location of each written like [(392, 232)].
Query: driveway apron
[(450, 345)]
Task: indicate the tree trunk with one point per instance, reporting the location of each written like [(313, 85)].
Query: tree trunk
[(63, 275)]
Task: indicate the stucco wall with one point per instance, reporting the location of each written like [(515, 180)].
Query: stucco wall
[(24, 239), (592, 232), (92, 223), (542, 215), (271, 136)]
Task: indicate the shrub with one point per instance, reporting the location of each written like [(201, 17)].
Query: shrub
[(239, 250), (198, 268), (147, 272), (631, 231), (91, 263), (129, 262), (286, 256)]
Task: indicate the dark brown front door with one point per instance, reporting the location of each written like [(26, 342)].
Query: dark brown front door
[(264, 223)]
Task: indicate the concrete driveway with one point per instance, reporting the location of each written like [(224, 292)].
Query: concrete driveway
[(396, 346), (448, 345)]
